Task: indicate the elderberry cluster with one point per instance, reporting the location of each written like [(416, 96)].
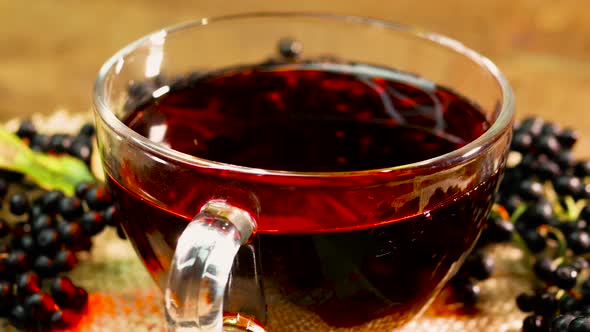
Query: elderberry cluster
[(479, 265), (547, 193), (79, 146), (542, 205), (41, 234)]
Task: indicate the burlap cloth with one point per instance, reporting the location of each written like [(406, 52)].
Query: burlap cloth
[(124, 298)]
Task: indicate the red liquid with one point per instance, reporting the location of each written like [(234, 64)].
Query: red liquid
[(310, 120), (330, 255)]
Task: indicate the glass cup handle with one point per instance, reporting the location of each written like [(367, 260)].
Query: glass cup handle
[(201, 267)]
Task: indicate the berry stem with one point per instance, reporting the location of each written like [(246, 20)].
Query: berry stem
[(560, 293), (518, 212), (561, 241), (516, 238), (572, 210)]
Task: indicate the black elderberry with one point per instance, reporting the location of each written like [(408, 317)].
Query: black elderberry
[(25, 243), (510, 183), (62, 288), (28, 283), (99, 198), (73, 236), (585, 213), (60, 143), (512, 203), (580, 324), (466, 291), (567, 137), (547, 170), (565, 159), (92, 223), (87, 130), (50, 201), (290, 48), (531, 190), (81, 148), (582, 168), (39, 306), (70, 232), (533, 323), (67, 295), (525, 302), (579, 263), (499, 230), (18, 261), (42, 222), (70, 208), (584, 193), (528, 165), (479, 265), (569, 227), (521, 142), (532, 125), (36, 210), (26, 129), (548, 145), (19, 203), (550, 128), (39, 143), (565, 277), (534, 241), (561, 323), (568, 303), (545, 303), (63, 319), (567, 185), (539, 212), (82, 188), (544, 269), (44, 266), (48, 241), (18, 317), (579, 242), (110, 216), (80, 300), (65, 261)]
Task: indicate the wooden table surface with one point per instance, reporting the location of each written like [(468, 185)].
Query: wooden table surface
[(50, 50)]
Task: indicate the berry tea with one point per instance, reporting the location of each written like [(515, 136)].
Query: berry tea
[(327, 254)]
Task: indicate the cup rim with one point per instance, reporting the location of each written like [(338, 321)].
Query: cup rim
[(467, 152)]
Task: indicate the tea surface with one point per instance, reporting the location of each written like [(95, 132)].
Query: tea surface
[(312, 118)]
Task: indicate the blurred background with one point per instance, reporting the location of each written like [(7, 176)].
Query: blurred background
[(50, 50)]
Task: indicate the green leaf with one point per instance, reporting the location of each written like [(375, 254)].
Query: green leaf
[(48, 171)]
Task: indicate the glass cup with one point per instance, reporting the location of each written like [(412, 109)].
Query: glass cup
[(249, 249)]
